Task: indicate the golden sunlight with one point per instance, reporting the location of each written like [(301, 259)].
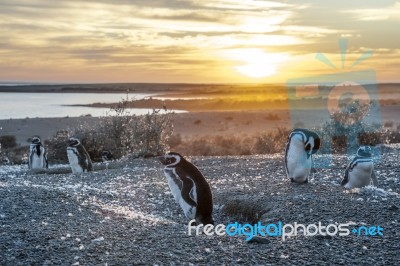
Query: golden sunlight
[(256, 62)]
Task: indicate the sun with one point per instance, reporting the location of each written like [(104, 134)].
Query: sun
[(255, 62), (256, 70)]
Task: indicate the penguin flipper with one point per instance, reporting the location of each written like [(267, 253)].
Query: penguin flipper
[(187, 187), (30, 159), (346, 177), (89, 165), (46, 162), (374, 179)]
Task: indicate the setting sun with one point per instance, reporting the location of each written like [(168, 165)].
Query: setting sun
[(255, 62), (256, 70)]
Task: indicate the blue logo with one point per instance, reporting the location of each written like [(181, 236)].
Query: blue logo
[(343, 106)]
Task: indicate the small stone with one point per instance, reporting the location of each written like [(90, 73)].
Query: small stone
[(98, 239), (259, 239)]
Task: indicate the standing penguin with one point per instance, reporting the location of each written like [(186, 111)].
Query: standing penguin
[(360, 170), (189, 188), (78, 158), (37, 155), (301, 145)]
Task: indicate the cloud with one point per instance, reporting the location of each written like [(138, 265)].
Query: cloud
[(377, 14), (160, 38)]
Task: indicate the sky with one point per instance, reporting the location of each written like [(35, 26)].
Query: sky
[(194, 41)]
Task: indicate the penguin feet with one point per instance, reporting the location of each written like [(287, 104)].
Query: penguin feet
[(205, 221), (293, 181)]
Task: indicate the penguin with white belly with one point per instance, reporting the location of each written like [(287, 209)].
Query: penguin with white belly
[(189, 188), (301, 145), (37, 155), (360, 171), (78, 158)]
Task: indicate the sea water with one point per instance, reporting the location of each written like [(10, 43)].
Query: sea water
[(32, 105)]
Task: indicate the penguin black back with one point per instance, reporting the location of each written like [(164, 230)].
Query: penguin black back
[(300, 147), (194, 189)]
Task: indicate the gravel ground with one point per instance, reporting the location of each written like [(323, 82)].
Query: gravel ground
[(128, 216)]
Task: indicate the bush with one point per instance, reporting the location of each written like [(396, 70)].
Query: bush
[(120, 133), (56, 147), (388, 124), (346, 130), (271, 142), (8, 141), (218, 145)]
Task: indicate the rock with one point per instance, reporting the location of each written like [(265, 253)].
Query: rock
[(259, 240)]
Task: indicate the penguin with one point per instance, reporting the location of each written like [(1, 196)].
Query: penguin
[(301, 145), (189, 188), (37, 154), (360, 171), (78, 158), (106, 156)]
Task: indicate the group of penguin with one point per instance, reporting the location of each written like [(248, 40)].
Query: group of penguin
[(191, 190), (78, 157)]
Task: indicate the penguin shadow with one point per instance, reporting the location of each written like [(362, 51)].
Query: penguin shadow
[(240, 207)]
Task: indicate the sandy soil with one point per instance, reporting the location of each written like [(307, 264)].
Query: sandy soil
[(186, 124)]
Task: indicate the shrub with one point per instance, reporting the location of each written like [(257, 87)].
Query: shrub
[(8, 141), (120, 133), (56, 147), (388, 124), (273, 117), (219, 145), (346, 129), (271, 142)]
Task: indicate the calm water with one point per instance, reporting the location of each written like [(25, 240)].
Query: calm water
[(22, 105)]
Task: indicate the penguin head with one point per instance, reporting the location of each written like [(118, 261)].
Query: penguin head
[(105, 153), (364, 151), (311, 140), (171, 159), (35, 140), (73, 142), (312, 144)]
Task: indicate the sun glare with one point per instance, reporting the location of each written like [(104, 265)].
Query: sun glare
[(256, 63), (256, 70)]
